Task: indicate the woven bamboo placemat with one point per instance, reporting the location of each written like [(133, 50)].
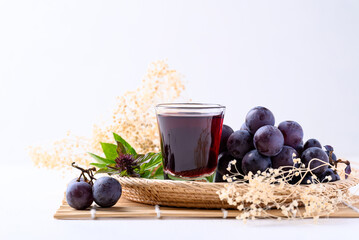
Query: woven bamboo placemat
[(128, 209)]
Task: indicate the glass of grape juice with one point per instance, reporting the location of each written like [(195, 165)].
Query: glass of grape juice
[(190, 137)]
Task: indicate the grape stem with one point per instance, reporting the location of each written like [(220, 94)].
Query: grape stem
[(90, 176)]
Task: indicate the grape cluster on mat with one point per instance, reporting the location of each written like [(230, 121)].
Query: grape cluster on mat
[(259, 145), (80, 194)]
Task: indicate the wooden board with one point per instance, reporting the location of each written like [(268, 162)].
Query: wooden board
[(128, 209)]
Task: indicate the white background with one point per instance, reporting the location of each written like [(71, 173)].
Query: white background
[(62, 63)]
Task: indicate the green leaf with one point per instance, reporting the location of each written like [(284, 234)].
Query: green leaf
[(123, 146), (120, 149), (143, 158), (149, 160), (210, 178), (99, 165), (101, 159), (110, 150), (146, 174), (154, 161), (158, 173), (107, 170)]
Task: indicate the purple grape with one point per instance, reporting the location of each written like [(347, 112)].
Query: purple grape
[(106, 191), (79, 195), (258, 117), (312, 143), (284, 158), (307, 176), (334, 157), (329, 172), (223, 161), (253, 161), (328, 150), (315, 152), (244, 127), (75, 180), (337, 176), (239, 143), (226, 132), (308, 179), (292, 133), (268, 140), (299, 148)]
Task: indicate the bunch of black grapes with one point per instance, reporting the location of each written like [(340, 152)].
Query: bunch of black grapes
[(80, 194), (259, 145)]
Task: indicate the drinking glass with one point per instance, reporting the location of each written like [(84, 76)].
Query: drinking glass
[(190, 137)]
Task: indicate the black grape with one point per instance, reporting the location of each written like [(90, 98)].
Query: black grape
[(312, 143), (226, 132), (268, 140), (239, 143), (299, 148), (244, 127), (284, 158), (308, 179), (328, 150), (79, 195), (75, 180), (223, 161), (329, 172), (106, 191), (253, 161), (292, 133), (315, 152), (258, 117)]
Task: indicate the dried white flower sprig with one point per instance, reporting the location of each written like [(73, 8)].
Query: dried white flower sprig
[(133, 118), (256, 193)]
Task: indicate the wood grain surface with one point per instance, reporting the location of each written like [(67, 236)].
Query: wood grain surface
[(128, 209)]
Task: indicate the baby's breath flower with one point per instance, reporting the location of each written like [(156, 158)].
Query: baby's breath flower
[(260, 192), (133, 118)]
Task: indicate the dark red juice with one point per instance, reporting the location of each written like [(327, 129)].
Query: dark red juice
[(190, 143)]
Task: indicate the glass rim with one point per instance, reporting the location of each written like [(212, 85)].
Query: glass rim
[(190, 106)]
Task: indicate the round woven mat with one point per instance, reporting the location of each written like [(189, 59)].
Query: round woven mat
[(196, 194)]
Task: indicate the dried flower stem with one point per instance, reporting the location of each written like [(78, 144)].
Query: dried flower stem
[(262, 191)]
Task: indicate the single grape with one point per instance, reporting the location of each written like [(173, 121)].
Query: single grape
[(334, 157), (299, 148), (292, 133), (312, 143), (268, 140), (329, 149), (239, 143), (75, 180), (253, 161), (284, 158), (106, 191), (258, 117), (329, 176), (244, 127), (79, 195), (222, 167), (337, 176), (226, 132), (317, 167), (308, 179)]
